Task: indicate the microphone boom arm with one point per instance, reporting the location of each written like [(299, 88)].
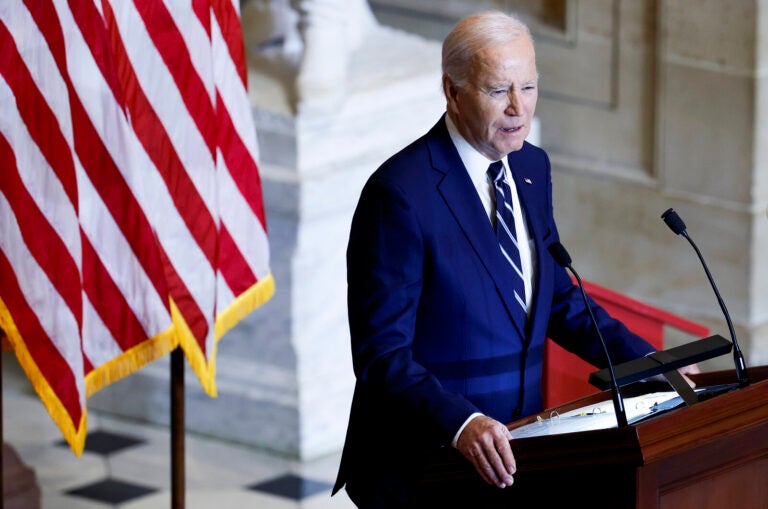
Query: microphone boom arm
[(562, 258), (738, 357), (618, 402), (676, 224)]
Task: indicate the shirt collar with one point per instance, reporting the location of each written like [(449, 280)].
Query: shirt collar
[(475, 162)]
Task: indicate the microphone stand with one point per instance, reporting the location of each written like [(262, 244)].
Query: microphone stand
[(562, 257), (618, 402), (676, 224)]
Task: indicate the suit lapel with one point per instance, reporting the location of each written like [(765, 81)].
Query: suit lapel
[(461, 198), (531, 187)]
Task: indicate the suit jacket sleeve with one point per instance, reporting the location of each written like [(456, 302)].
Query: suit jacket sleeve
[(385, 267), (567, 319)]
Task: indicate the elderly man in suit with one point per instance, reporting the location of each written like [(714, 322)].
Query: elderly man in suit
[(451, 296)]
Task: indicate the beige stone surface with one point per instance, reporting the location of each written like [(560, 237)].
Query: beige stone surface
[(712, 32), (598, 119), (707, 136)]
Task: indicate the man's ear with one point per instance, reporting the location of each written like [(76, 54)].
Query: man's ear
[(451, 92)]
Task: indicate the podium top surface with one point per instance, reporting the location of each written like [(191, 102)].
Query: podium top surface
[(657, 437)]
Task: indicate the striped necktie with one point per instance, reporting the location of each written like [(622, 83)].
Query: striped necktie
[(505, 229)]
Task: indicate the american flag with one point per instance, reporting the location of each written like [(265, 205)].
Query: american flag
[(131, 212)]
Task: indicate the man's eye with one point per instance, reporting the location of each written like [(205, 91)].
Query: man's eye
[(498, 92)]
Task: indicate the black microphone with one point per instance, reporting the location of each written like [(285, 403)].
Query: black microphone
[(678, 226), (561, 256)]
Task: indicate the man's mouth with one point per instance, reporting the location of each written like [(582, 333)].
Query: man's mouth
[(511, 129)]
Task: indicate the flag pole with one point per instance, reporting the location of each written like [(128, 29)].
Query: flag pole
[(2, 443), (177, 429)]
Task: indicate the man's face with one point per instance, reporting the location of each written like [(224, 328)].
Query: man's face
[(494, 110)]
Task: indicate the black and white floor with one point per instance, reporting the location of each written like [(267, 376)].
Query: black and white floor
[(127, 464)]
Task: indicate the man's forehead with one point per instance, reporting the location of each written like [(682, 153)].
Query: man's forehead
[(492, 64)]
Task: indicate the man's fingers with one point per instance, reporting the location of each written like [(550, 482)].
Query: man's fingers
[(491, 468), (505, 453), (692, 369), (689, 381), (485, 442), (498, 460), (483, 467)]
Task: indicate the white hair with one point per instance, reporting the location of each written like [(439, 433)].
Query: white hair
[(472, 34)]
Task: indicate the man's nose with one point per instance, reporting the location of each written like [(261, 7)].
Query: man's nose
[(514, 106)]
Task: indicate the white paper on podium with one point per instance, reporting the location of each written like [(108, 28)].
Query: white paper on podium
[(598, 416)]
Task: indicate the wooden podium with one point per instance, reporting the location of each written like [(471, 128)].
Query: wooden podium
[(713, 454)]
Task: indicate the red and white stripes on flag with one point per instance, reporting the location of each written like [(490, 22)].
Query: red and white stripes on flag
[(131, 212)]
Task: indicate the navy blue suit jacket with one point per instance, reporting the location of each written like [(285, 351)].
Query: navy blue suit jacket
[(430, 300)]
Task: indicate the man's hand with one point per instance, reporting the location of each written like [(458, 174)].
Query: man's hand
[(485, 443), (692, 369)]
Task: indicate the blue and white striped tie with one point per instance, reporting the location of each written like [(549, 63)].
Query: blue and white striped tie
[(505, 229)]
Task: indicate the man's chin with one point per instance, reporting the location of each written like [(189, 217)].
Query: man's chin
[(511, 143), (513, 147)]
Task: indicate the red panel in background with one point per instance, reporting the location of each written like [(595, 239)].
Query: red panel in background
[(565, 375)]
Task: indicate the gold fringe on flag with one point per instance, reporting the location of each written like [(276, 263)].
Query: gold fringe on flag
[(74, 433)]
